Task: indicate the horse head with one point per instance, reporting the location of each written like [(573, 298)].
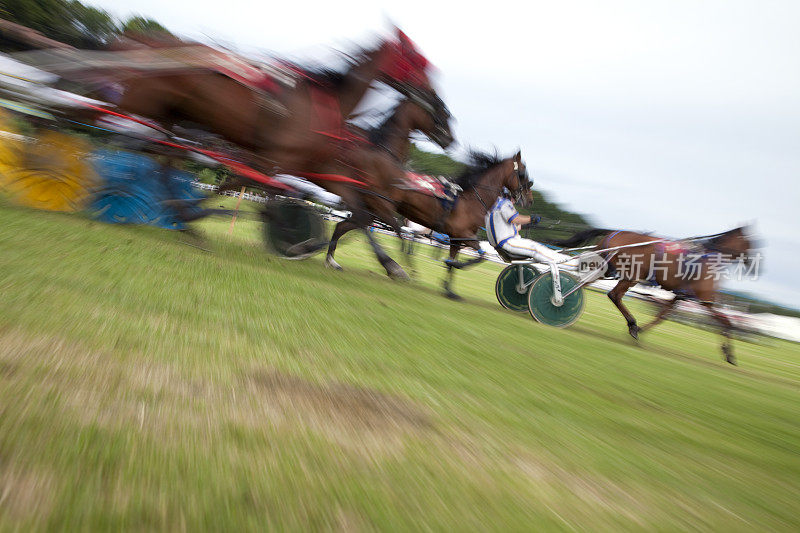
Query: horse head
[(488, 172), (429, 115), (517, 180), (737, 243)]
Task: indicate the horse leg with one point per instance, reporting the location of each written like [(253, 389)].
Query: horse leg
[(666, 307), (468, 263), (727, 327), (362, 218), (615, 295), (406, 244), (341, 228), (410, 243), (448, 281), (393, 270)]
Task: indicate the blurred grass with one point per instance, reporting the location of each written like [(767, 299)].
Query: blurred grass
[(146, 384)]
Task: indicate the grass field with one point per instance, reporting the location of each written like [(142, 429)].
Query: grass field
[(146, 384)]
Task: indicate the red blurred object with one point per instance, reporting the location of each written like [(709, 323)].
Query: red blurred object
[(410, 66)]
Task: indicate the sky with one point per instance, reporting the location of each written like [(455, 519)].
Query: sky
[(679, 117)]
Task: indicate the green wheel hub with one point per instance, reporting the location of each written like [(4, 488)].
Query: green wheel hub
[(541, 305), (293, 230), (506, 287)]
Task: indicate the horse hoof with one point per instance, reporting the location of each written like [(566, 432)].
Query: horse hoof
[(453, 296), (398, 274), (728, 352), (331, 263), (634, 330)]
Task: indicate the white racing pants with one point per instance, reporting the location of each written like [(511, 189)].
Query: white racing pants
[(541, 254), (535, 250)]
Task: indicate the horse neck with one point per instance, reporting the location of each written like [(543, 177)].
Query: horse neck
[(725, 242), (483, 194), (359, 78), (396, 139), (492, 182)]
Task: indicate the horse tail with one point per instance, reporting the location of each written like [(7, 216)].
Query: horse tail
[(581, 237)]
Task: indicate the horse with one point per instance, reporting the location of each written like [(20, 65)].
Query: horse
[(290, 120), (292, 128), (299, 130), (385, 151), (687, 268), (483, 181)]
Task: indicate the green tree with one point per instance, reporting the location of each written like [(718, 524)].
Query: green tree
[(433, 164), (140, 24), (67, 21)]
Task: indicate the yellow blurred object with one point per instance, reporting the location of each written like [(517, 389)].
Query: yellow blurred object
[(51, 172)]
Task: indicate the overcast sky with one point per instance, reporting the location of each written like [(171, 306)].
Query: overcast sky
[(680, 117)]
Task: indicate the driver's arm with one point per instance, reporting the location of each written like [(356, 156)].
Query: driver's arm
[(521, 220)]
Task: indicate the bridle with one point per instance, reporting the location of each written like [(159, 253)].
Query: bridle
[(440, 130), (522, 178), (436, 108)]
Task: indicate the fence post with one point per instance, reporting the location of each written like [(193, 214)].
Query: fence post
[(236, 211)]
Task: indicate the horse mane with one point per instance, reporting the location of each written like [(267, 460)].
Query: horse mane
[(716, 239), (477, 165), (334, 78)]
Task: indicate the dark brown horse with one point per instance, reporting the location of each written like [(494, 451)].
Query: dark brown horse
[(690, 269), (295, 129), (292, 123), (299, 130), (385, 152), (484, 180)]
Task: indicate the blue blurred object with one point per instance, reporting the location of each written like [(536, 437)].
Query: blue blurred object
[(133, 190), (440, 237)]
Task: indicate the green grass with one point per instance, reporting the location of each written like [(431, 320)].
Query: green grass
[(146, 384)]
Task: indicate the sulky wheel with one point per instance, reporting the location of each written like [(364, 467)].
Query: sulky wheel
[(51, 173), (541, 306), (129, 190), (507, 287), (293, 230), (12, 145), (138, 190)]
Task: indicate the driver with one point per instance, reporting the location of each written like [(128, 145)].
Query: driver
[(502, 229)]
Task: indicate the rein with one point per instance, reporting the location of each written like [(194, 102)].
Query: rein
[(478, 195), (518, 192)]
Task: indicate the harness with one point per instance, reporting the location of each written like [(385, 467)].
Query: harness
[(517, 194)]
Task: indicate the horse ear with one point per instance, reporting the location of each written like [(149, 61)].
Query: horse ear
[(518, 155)]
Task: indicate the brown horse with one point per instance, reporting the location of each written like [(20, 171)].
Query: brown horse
[(385, 151), (293, 125), (688, 268), (294, 130), (301, 130), (484, 180)]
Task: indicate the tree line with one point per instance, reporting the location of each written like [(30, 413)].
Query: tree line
[(70, 22)]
